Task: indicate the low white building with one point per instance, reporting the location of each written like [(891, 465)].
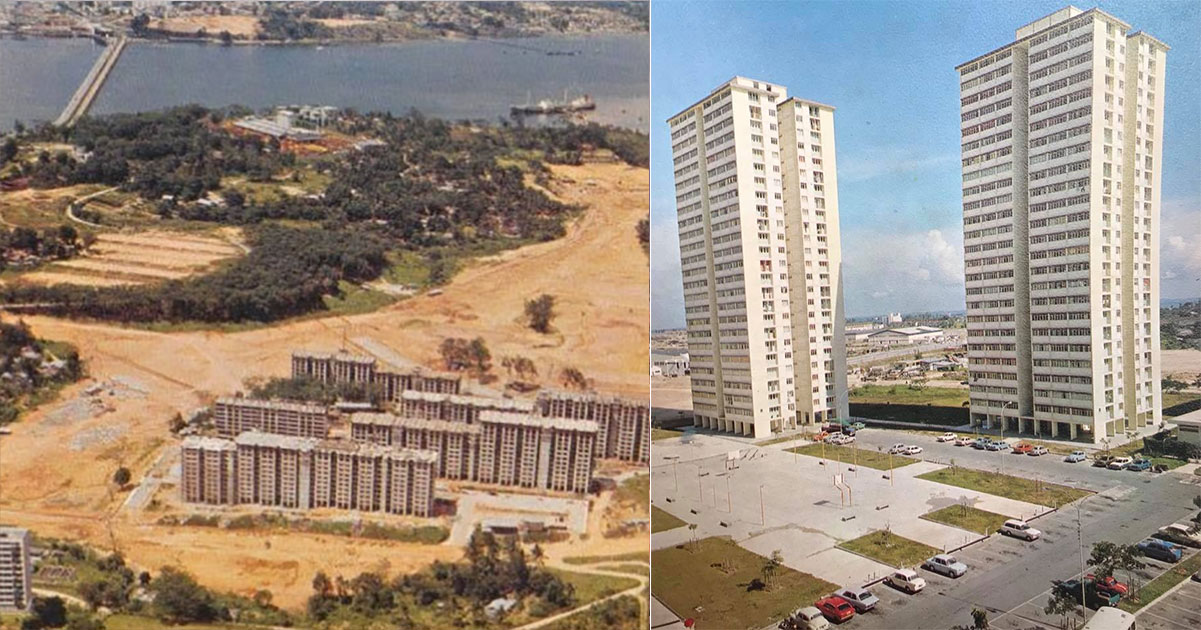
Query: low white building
[(669, 363), (1189, 427), (912, 334)]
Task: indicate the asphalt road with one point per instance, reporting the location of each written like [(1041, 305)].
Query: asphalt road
[(905, 352), (1012, 579)]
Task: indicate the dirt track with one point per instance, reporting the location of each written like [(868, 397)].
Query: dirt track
[(598, 273)]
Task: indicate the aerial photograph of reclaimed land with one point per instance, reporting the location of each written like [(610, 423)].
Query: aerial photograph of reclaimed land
[(324, 315)]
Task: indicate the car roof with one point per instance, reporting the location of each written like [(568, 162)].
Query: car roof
[(945, 556), (1015, 521)]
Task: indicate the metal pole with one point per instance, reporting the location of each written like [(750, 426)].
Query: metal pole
[(728, 508), (1080, 540), (762, 511), (890, 472), (676, 473)]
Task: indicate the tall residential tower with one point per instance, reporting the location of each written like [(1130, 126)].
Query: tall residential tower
[(1062, 134), (757, 208)]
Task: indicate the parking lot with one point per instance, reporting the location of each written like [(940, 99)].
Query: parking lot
[(1178, 610)]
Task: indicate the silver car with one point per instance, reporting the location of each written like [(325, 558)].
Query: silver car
[(946, 564), (861, 598)]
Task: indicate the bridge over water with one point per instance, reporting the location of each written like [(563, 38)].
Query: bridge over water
[(83, 98)]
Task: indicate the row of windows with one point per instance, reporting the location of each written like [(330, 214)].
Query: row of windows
[(1055, 50), (687, 156), (987, 140), (1079, 185), (1080, 112), (1060, 316), (987, 186), (1061, 347), (988, 247), (1065, 268), (1061, 83), (1064, 410), (1081, 130), (1055, 204), (987, 172), (984, 203), (1062, 169), (985, 109), (1059, 284), (718, 126), (993, 260), (999, 229), (985, 62), (982, 94), (1083, 57), (984, 157), (1061, 31), (722, 139), (1060, 299), (989, 275), (1056, 253), (1007, 288), (1060, 332), (1060, 236), (986, 77), (989, 347), (1061, 378), (1059, 220), (1039, 158), (986, 125), (991, 304)]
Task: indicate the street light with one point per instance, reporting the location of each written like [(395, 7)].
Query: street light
[(1080, 541)]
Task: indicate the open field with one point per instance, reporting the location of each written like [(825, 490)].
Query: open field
[(59, 459), (848, 456), (634, 555), (967, 517), (693, 583), (145, 257), (902, 395), (1008, 486), (40, 209), (245, 26), (890, 549)]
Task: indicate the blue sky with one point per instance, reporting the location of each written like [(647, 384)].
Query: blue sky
[(889, 70)]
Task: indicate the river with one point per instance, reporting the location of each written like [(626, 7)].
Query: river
[(458, 79)]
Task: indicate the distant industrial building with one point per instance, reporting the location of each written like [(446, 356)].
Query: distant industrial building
[(236, 415), (911, 334), (16, 572), (280, 127), (672, 362), (895, 318), (505, 448), (625, 426), (303, 473)]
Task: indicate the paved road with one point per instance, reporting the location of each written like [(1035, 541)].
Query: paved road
[(905, 352)]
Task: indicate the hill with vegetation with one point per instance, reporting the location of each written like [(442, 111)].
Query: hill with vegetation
[(31, 369)]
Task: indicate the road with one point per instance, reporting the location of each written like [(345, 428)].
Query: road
[(905, 352), (1012, 579)]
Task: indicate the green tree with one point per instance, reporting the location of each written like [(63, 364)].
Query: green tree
[(179, 599), (539, 312), (122, 477), (1105, 557), (771, 565)]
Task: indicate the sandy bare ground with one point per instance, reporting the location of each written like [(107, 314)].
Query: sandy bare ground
[(1183, 365), (117, 258), (237, 25), (597, 272)]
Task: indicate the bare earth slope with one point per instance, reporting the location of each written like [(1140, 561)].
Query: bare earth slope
[(57, 462)]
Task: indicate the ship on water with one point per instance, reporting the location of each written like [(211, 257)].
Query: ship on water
[(551, 106)]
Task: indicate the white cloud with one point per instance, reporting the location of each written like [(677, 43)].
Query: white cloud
[(1180, 248)]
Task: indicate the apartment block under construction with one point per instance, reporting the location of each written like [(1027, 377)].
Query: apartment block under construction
[(343, 367), (258, 468), (624, 425), (455, 407), (234, 416), (501, 447)]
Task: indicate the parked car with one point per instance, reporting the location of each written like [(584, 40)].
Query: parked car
[(946, 564), (981, 443), (947, 437), (907, 580), (1119, 463), (1020, 529), (1094, 597), (832, 438), (1108, 585), (1075, 456), (832, 428), (1023, 448), (807, 618), (1197, 576), (963, 441), (1139, 465), (1178, 534), (998, 445), (897, 449), (1102, 461), (859, 426), (1160, 550), (860, 598), (847, 438), (913, 449), (848, 429), (835, 608), (1037, 451)]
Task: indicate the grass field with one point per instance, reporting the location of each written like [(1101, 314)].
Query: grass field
[(890, 549), (1008, 486), (635, 491), (662, 521), (134, 622), (1160, 585), (589, 587), (663, 434), (870, 458), (637, 569), (782, 439), (902, 395), (634, 555), (1180, 403), (967, 517), (686, 580)]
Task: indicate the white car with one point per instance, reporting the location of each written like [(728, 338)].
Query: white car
[(963, 441), (1036, 451), (810, 618), (945, 564), (1020, 529), (1120, 463), (912, 450), (907, 580), (897, 449), (948, 437), (847, 439)]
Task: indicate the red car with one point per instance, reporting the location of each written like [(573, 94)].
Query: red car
[(1109, 585), (835, 608), (1023, 448)]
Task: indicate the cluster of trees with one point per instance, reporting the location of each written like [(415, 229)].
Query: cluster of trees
[(539, 311), (25, 374), (566, 144), (178, 152), (462, 354), (492, 568), (311, 389), (51, 243), (286, 273), (280, 24)]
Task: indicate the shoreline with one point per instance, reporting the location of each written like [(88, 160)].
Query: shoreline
[(216, 41)]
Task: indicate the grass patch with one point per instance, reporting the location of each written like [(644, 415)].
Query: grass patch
[(1008, 486), (355, 300), (663, 434), (589, 587), (635, 491), (865, 457), (633, 555), (123, 621), (1162, 584), (888, 548), (689, 576), (967, 517), (1169, 462), (636, 569), (902, 395), (662, 521), (782, 439), (1180, 403)]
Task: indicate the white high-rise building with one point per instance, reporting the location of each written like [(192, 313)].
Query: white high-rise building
[(1062, 135), (16, 572), (757, 207)]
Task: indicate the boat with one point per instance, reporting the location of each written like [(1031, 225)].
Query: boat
[(551, 106)]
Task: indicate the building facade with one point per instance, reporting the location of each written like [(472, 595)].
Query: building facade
[(16, 570), (624, 425), (304, 473), (343, 367), (233, 416), (1062, 134), (757, 212)]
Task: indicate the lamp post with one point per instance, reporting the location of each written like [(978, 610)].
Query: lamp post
[(1080, 542)]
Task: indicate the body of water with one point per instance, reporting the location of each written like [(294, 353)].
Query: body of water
[(475, 80)]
